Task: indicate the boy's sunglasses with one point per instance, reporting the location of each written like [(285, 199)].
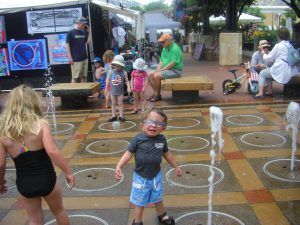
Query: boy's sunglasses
[(154, 122)]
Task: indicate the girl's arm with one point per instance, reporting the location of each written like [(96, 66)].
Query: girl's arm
[(170, 159), (99, 72), (107, 83), (145, 83), (127, 83), (55, 155), (3, 188), (123, 161), (131, 81)]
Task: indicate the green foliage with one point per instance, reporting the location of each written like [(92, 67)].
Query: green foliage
[(263, 33), (155, 6), (290, 13), (254, 11), (295, 5), (137, 8)]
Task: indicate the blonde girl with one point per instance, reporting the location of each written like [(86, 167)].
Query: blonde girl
[(26, 137), (108, 57)]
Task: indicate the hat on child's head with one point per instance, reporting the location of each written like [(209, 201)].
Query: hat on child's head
[(139, 64), (264, 43), (118, 60), (97, 59), (81, 20)]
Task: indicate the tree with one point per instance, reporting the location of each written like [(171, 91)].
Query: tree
[(203, 9), (155, 6), (137, 8), (295, 5), (254, 11), (152, 6)]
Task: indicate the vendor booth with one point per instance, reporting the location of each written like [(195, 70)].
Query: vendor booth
[(33, 34), (158, 21)]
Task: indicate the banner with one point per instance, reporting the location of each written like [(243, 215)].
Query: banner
[(53, 20)]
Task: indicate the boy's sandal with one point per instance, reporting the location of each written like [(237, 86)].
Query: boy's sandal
[(165, 219), (135, 223), (134, 111)]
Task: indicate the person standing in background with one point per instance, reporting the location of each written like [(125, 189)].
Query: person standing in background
[(192, 40), (108, 57), (138, 84), (178, 38), (76, 45)]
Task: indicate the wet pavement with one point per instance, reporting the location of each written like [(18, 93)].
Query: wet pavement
[(253, 184)]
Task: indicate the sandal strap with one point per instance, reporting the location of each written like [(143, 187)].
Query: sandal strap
[(137, 223), (165, 219)]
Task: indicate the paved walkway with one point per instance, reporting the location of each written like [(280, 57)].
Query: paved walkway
[(253, 181)]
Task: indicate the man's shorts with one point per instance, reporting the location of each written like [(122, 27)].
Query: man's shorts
[(169, 74), (145, 191), (79, 69)]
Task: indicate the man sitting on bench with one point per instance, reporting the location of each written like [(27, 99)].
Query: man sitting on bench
[(170, 66)]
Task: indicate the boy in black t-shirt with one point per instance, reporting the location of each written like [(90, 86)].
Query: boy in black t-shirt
[(148, 148)]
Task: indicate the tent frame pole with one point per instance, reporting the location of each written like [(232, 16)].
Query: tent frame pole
[(90, 45)]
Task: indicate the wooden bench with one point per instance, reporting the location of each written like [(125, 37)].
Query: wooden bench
[(186, 89), (74, 95), (292, 88)]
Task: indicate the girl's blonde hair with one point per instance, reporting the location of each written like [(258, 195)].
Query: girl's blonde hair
[(108, 56), (22, 114)]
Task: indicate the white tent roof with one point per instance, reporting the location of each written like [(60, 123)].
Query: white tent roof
[(23, 5), (159, 21), (244, 18), (7, 6)]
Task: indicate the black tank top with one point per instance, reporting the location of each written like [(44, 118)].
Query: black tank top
[(33, 163)]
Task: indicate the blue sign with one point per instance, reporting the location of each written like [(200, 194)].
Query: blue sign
[(27, 54)]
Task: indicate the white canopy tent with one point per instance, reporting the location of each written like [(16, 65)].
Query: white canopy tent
[(244, 18), (23, 5), (158, 21)]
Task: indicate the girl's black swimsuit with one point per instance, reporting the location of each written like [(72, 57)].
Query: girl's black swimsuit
[(35, 173)]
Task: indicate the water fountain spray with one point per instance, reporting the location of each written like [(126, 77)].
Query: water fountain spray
[(292, 118), (216, 118), (50, 101)]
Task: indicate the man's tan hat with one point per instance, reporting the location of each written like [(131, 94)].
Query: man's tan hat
[(165, 37), (264, 43)]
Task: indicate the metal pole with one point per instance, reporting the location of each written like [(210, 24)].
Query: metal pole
[(90, 46)]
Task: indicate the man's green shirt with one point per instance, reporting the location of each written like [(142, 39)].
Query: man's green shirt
[(172, 54)]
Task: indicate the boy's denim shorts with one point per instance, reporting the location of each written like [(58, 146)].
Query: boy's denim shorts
[(145, 191)]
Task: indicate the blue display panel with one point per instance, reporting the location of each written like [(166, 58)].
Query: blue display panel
[(27, 54)]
